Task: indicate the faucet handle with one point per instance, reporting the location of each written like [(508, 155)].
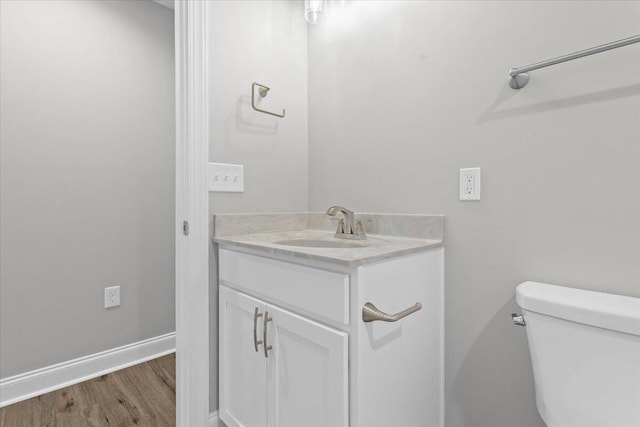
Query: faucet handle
[(360, 230), (340, 229)]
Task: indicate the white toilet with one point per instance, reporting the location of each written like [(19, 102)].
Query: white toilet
[(585, 351)]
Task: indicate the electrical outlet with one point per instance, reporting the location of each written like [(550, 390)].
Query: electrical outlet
[(112, 296), (470, 184)]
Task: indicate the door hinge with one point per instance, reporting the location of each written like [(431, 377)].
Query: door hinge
[(185, 228)]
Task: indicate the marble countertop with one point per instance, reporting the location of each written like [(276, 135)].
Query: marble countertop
[(388, 236)]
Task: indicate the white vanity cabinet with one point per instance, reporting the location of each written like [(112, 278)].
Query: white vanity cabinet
[(292, 372), (294, 350)]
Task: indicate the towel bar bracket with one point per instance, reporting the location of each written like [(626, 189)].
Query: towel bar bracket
[(519, 77)]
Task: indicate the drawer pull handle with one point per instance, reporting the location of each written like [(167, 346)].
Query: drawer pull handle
[(256, 343), (370, 313), (266, 346)]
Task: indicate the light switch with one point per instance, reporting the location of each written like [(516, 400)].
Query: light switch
[(224, 177)]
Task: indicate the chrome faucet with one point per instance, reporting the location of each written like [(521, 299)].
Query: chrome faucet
[(347, 229)]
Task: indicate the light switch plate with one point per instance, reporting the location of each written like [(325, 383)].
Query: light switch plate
[(224, 177), (470, 184)]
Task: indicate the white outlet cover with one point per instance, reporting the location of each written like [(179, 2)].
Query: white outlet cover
[(111, 296), (224, 177), (470, 184)]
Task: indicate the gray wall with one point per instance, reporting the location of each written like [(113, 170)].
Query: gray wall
[(264, 42), (403, 94), (87, 177)]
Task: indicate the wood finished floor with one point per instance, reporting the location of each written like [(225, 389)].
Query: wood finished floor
[(142, 395)]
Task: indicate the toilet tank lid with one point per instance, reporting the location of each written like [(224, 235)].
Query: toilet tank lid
[(616, 312)]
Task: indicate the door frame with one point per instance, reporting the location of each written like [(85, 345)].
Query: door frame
[(192, 207)]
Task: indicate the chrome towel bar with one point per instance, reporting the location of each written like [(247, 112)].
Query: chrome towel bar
[(370, 313), (518, 77), (262, 91)]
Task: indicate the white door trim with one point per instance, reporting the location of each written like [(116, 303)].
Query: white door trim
[(192, 250)]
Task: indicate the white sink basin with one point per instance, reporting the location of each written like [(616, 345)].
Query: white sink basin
[(330, 243), (313, 243)]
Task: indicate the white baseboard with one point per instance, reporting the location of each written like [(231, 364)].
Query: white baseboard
[(34, 383), (214, 421)]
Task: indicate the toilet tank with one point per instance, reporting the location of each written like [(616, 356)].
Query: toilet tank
[(585, 351)]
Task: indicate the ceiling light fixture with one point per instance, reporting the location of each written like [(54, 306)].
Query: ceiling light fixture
[(314, 10)]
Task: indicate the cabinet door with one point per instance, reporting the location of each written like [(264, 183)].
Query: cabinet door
[(243, 400), (307, 372)]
